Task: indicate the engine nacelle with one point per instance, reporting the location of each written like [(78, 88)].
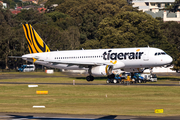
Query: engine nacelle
[(101, 70)]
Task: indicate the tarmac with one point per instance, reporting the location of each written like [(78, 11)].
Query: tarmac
[(51, 116)]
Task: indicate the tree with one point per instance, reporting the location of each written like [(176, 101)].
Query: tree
[(7, 35), (172, 32), (174, 7), (50, 2), (90, 44), (57, 15), (32, 16), (131, 29), (89, 13)]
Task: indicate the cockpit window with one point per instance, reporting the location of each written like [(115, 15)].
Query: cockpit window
[(160, 53), (163, 53)]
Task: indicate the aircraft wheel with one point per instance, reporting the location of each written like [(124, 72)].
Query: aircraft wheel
[(114, 81), (92, 78), (107, 81), (139, 81), (89, 78)]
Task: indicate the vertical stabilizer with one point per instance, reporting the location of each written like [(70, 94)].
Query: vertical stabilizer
[(35, 43)]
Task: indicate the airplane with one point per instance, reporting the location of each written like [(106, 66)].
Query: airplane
[(96, 61)]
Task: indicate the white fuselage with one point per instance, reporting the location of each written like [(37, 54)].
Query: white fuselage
[(119, 57)]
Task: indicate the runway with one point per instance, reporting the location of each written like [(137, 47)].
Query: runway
[(48, 116)]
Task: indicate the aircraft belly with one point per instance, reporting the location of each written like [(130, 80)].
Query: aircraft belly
[(133, 64)]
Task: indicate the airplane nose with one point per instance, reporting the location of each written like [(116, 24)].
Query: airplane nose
[(169, 59)]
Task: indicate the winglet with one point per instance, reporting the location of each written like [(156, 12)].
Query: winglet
[(35, 43)]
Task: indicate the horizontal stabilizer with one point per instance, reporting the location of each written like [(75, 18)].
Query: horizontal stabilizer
[(15, 56)]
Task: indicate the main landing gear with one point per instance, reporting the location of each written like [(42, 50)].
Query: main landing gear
[(89, 78)]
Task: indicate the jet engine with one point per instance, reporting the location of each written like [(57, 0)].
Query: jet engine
[(101, 70)]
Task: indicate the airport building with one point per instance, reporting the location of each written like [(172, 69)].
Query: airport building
[(155, 9), (151, 5)]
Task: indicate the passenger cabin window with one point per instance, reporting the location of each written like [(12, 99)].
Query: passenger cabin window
[(77, 57)]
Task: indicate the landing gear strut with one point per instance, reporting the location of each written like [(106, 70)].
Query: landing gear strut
[(89, 78)]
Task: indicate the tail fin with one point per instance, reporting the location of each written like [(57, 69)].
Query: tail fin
[(35, 43)]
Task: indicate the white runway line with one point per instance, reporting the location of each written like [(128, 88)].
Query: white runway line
[(32, 85), (38, 106)]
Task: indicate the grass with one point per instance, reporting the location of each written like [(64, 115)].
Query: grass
[(89, 99), (34, 73)]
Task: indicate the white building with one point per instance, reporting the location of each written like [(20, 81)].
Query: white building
[(151, 5), (161, 70), (3, 4), (176, 17)]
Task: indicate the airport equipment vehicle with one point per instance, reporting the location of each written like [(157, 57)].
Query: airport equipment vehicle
[(137, 78), (116, 79), (132, 77), (150, 77), (122, 78), (26, 68), (97, 61), (127, 80)]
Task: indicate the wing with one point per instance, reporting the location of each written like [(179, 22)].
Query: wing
[(79, 63)]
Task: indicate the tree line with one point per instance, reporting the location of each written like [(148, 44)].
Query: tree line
[(88, 24)]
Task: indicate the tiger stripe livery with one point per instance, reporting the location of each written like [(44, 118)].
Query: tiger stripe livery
[(35, 43)]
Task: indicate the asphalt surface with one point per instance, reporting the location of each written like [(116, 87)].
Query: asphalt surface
[(49, 116)]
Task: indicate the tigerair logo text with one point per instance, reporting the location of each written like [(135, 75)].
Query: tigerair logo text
[(122, 56)]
